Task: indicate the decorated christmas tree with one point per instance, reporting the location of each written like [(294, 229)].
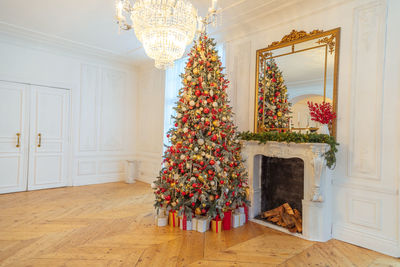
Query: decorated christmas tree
[(273, 104), (203, 172)]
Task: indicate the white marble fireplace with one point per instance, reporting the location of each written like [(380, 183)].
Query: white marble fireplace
[(317, 201)]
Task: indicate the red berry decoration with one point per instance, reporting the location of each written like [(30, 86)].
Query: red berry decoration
[(322, 113)]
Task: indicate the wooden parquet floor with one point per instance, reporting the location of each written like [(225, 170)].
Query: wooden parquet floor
[(113, 225)]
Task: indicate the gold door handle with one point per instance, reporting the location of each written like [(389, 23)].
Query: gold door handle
[(18, 140), (40, 140)]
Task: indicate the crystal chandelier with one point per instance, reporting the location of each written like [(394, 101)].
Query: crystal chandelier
[(164, 27)]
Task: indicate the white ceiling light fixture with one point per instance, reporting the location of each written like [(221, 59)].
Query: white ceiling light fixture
[(164, 27)]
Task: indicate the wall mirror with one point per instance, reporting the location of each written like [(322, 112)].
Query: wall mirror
[(308, 65)]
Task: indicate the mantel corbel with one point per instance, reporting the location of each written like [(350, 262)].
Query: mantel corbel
[(318, 164)]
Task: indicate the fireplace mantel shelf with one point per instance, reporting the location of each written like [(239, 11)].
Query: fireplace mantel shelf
[(317, 185)]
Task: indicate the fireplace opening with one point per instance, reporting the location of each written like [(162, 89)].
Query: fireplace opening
[(282, 192)]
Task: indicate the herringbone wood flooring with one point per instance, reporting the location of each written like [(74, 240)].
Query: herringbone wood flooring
[(113, 225)]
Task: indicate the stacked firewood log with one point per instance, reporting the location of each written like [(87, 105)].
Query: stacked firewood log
[(286, 217)]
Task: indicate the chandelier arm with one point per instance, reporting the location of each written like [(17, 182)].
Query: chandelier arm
[(123, 25)]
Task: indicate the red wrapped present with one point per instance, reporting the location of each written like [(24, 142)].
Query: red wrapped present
[(184, 224), (246, 212), (226, 221)]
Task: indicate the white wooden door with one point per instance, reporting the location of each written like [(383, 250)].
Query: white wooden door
[(13, 137), (49, 137)]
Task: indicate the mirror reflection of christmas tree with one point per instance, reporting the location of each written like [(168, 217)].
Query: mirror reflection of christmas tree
[(203, 172), (273, 112)]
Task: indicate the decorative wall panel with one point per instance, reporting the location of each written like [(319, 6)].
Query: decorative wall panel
[(88, 108), (364, 211), (86, 167), (367, 88), (112, 110), (111, 166)]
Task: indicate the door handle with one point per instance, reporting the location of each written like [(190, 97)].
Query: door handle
[(18, 140), (40, 140)]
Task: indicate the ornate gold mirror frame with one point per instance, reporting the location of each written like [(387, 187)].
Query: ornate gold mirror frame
[(325, 39)]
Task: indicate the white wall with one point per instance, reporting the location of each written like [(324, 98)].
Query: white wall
[(104, 95), (366, 179), (150, 122)]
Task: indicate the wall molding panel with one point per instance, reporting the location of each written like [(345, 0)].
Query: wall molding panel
[(111, 166), (365, 211), (369, 28), (103, 149), (86, 167), (88, 119), (112, 110)]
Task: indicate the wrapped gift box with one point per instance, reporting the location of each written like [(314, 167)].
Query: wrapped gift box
[(203, 224), (162, 212), (173, 219), (241, 210), (227, 220), (242, 220), (184, 224), (161, 220), (216, 225), (235, 220), (194, 224)]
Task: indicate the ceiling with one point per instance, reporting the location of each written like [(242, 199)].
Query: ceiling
[(90, 25)]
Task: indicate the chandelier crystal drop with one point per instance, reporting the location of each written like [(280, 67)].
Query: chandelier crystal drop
[(164, 27)]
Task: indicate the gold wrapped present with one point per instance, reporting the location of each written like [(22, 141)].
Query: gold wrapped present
[(173, 218), (216, 225)]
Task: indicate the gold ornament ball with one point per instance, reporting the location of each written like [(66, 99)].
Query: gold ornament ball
[(197, 211)]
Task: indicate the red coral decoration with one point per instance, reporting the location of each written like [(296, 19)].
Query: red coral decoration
[(322, 113)]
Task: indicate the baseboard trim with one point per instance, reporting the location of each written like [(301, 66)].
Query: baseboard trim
[(382, 245)]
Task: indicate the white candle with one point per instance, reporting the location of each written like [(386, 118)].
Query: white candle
[(214, 5), (119, 9)]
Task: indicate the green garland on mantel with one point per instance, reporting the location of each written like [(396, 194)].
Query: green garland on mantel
[(292, 137)]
